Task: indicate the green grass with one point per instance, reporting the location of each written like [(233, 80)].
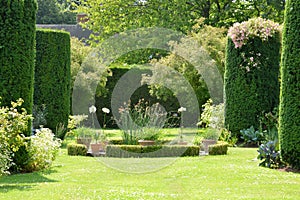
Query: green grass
[(234, 176), (168, 133)]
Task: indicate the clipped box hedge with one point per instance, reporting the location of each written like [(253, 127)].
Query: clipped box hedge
[(220, 148), (77, 149), (127, 151)]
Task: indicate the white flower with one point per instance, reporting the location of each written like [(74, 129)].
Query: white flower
[(92, 109), (181, 109), (105, 110)]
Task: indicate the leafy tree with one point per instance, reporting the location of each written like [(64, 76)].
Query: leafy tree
[(109, 17), (55, 12)]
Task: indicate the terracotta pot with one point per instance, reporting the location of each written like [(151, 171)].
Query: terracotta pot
[(182, 143), (146, 142), (206, 144), (99, 147), (95, 148)]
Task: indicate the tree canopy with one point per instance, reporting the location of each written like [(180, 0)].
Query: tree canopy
[(107, 17)]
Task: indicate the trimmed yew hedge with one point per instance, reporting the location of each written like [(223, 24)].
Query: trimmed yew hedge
[(52, 76), (17, 42), (249, 93), (289, 111), (127, 151)]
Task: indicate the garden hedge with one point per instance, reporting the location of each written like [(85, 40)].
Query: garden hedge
[(52, 76), (77, 150), (126, 151), (17, 42), (251, 90), (220, 148), (289, 110)]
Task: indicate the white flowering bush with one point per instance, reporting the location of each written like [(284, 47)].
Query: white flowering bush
[(240, 33), (212, 115), (42, 148)]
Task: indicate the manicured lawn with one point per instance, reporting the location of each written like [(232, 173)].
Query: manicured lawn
[(167, 133), (234, 176)]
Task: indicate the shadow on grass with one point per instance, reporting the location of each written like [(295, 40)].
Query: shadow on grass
[(25, 181)]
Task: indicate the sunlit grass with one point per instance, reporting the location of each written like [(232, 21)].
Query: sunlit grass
[(233, 176)]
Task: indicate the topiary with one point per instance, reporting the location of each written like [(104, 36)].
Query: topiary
[(289, 110), (251, 73), (52, 76)]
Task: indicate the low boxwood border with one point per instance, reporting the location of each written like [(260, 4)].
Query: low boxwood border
[(138, 151), (77, 149), (220, 148)]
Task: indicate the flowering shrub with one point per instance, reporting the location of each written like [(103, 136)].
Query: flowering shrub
[(240, 33), (42, 148), (212, 115), (12, 124)]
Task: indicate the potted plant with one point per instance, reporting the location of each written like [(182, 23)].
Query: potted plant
[(148, 136), (84, 136), (100, 142), (210, 137)]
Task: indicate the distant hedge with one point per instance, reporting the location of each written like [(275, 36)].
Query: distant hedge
[(126, 151), (52, 76), (17, 42), (142, 92), (289, 110), (251, 81)]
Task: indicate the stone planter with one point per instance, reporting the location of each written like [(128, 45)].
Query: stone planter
[(146, 142), (206, 143)]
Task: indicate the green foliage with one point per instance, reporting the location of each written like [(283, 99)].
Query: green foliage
[(211, 134), (103, 99), (126, 151), (226, 136), (54, 12), (251, 81), (252, 136), (141, 121), (116, 16), (116, 141), (17, 42), (73, 123), (84, 132), (52, 76), (14, 125), (270, 155), (39, 116), (42, 148), (220, 148), (289, 112), (77, 149), (79, 52), (212, 115)]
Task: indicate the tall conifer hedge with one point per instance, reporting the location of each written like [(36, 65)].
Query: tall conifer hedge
[(289, 110), (52, 76), (251, 73), (17, 42)]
